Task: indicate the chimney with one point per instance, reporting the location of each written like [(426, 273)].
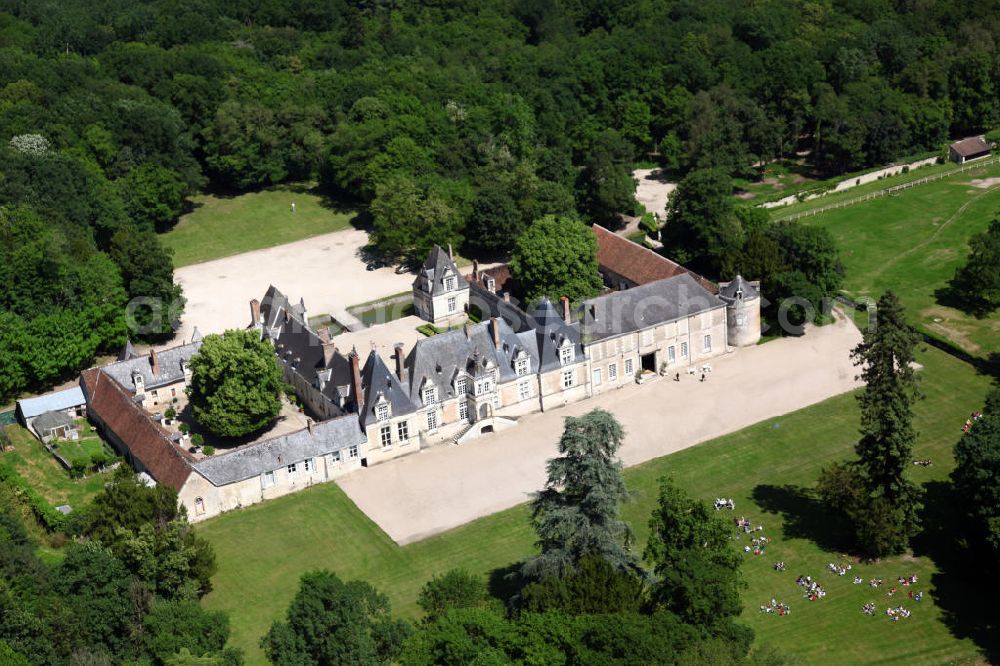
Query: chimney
[(400, 363), (506, 297), (451, 255), (468, 331), (475, 270), (565, 309), (495, 326), (309, 425), (329, 349), (254, 312), (359, 396), (323, 334), (154, 362)]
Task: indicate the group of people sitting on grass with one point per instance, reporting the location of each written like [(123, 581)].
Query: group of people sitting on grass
[(776, 607), (896, 613), (747, 527), (757, 545), (722, 503), (779, 566), (923, 462), (813, 589), (837, 569), (973, 417)]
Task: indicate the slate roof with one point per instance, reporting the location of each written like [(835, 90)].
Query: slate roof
[(430, 277), (974, 145), (551, 333), (128, 352), (112, 406), (58, 400), (170, 363), (378, 381), (739, 284), (250, 461), (49, 420), (647, 305), (637, 263)]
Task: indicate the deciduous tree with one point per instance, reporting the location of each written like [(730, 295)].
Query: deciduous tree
[(555, 257)]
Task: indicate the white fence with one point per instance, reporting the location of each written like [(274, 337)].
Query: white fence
[(889, 190)]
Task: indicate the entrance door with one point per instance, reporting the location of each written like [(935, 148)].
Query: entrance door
[(649, 362)]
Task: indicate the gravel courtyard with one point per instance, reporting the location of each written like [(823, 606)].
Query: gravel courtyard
[(327, 271), (445, 486)]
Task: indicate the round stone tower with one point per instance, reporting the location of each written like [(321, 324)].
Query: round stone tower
[(742, 300)]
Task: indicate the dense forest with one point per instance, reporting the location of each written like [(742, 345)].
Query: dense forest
[(447, 121)]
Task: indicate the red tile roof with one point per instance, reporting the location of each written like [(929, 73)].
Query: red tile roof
[(149, 443), (637, 263), (974, 145)]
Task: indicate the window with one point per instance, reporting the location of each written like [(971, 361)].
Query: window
[(353, 451), (671, 354), (628, 367), (613, 372), (292, 470), (461, 386), (706, 344), (385, 436), (449, 283), (521, 367), (452, 304), (432, 421), (484, 386), (403, 431), (597, 376), (684, 350), (381, 412), (336, 457), (307, 464), (566, 354), (463, 411), (524, 390), (430, 395), (491, 284), (568, 379), (267, 480), (199, 505)]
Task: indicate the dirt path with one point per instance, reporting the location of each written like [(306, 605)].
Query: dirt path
[(440, 488), (847, 184), (652, 191)]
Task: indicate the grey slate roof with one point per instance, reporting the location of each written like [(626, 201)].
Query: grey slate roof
[(128, 352), (378, 381), (552, 332), (49, 420), (248, 462), (32, 407), (739, 284), (430, 277), (169, 360), (646, 305)]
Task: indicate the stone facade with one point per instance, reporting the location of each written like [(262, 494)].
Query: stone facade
[(440, 294)]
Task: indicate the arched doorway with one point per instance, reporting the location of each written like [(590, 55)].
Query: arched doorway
[(485, 429), (484, 411)]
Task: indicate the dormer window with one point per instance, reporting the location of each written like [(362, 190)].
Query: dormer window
[(382, 412), (484, 386), (521, 366), (566, 354), (739, 294), (430, 395), (449, 283), (491, 284), (461, 386)]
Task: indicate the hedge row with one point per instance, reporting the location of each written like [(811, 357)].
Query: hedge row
[(45, 513)]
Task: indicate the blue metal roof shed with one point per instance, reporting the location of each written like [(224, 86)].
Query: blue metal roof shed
[(29, 408)]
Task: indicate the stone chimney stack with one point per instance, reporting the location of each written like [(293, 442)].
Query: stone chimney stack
[(154, 362), (451, 254), (475, 270), (329, 349), (565, 309), (254, 312), (400, 363), (495, 327), (323, 334), (359, 396), (309, 425), (468, 331), (506, 297)]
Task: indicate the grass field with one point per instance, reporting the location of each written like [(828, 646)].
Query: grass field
[(45, 474), (220, 226), (262, 550), (913, 242)]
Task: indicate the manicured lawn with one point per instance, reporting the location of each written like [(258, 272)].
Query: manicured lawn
[(85, 448), (912, 243), (221, 226), (263, 550), (40, 469)]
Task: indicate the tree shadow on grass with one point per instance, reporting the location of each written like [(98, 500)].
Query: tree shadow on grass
[(804, 515), (506, 583), (965, 590)]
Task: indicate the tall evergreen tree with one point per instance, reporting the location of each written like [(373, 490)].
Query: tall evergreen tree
[(577, 514), (886, 358)]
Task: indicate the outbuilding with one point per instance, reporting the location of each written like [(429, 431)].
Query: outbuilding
[(70, 402), (966, 150)]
